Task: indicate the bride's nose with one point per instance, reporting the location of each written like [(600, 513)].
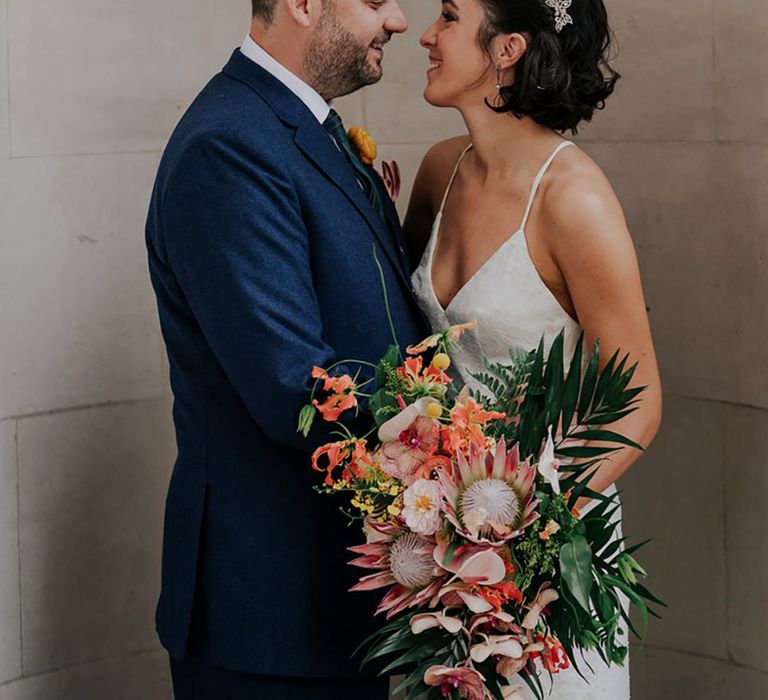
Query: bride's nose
[(427, 39)]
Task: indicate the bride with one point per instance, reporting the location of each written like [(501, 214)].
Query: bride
[(518, 228)]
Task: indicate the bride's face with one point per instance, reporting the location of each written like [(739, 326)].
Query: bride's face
[(459, 71)]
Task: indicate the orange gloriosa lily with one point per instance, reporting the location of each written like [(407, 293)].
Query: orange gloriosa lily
[(351, 454), (468, 418), (342, 396)]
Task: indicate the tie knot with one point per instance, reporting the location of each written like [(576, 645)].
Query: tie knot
[(335, 127)]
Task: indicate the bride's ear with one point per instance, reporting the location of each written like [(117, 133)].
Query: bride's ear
[(509, 50)]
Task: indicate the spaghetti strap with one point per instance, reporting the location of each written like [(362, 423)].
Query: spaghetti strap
[(453, 177), (539, 177)]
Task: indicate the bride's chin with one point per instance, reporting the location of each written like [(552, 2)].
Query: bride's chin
[(431, 98)]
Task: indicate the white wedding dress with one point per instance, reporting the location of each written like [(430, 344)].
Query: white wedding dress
[(514, 308)]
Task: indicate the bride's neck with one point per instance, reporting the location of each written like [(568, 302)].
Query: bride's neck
[(501, 141)]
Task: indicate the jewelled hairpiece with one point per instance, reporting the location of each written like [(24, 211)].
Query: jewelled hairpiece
[(562, 17)]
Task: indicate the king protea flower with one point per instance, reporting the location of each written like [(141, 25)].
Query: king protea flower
[(405, 561), (489, 498)]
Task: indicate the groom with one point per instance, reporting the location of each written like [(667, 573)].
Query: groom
[(261, 237)]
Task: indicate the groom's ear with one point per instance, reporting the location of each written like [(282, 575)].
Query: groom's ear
[(509, 50), (304, 12)]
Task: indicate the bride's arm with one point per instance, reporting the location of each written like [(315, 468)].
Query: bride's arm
[(589, 241)]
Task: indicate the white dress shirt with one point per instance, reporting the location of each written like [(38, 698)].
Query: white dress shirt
[(315, 103)]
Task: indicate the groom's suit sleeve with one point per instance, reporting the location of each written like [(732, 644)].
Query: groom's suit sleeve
[(239, 249)]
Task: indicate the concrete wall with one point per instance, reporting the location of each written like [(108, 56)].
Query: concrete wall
[(88, 94)]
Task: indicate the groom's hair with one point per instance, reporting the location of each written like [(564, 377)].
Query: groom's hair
[(264, 10)]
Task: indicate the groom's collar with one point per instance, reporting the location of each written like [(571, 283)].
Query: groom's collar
[(310, 97)]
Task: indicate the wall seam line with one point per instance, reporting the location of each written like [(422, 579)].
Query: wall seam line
[(722, 402), (8, 72), (94, 154), (18, 542), (85, 407), (87, 662), (698, 655)]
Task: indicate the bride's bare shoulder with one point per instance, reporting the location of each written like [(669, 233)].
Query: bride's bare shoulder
[(428, 188), (437, 167), (579, 204)]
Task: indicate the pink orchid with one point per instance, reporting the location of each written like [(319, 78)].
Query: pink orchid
[(409, 441), (426, 621), (546, 596), (468, 681), (496, 645)]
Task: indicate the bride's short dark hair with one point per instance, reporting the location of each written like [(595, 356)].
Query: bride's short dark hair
[(563, 77)]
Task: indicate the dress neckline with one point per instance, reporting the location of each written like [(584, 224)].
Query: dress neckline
[(507, 242)]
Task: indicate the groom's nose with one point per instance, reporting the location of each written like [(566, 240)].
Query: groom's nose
[(396, 21)]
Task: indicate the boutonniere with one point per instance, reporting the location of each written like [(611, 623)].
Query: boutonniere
[(367, 150), (364, 143)]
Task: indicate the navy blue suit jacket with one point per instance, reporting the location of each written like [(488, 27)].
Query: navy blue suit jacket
[(260, 245)]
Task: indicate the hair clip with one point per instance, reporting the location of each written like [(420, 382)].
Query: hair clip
[(562, 17)]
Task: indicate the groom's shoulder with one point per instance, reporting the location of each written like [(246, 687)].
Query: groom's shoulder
[(226, 108)]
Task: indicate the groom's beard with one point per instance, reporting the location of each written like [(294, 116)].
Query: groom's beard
[(336, 63)]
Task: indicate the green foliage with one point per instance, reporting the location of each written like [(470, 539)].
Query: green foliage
[(505, 386), (576, 569), (306, 418)]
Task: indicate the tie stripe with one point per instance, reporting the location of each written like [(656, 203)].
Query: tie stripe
[(335, 127)]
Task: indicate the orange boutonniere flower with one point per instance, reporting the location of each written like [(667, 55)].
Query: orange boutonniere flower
[(364, 143)]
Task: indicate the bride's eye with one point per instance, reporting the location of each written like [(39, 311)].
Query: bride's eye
[(448, 17)]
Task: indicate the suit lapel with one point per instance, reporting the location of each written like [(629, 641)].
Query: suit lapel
[(317, 145)]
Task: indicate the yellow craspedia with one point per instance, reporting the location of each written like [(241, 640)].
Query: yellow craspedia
[(441, 361), (434, 410), (393, 510), (364, 144)]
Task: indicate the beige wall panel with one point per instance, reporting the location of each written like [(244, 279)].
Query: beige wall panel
[(5, 144), (94, 77), (667, 675), (674, 494), (351, 109), (746, 483), (741, 52), (92, 487), (704, 258), (395, 109), (139, 677), (82, 324), (10, 639), (664, 54)]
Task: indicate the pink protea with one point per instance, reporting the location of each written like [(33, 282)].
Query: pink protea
[(489, 498), (404, 560), (467, 681)]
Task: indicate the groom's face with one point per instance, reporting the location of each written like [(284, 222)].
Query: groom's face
[(347, 47)]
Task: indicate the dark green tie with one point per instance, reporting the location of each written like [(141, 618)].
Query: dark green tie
[(335, 127)]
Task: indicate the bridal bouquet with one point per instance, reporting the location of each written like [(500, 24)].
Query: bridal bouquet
[(468, 503)]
